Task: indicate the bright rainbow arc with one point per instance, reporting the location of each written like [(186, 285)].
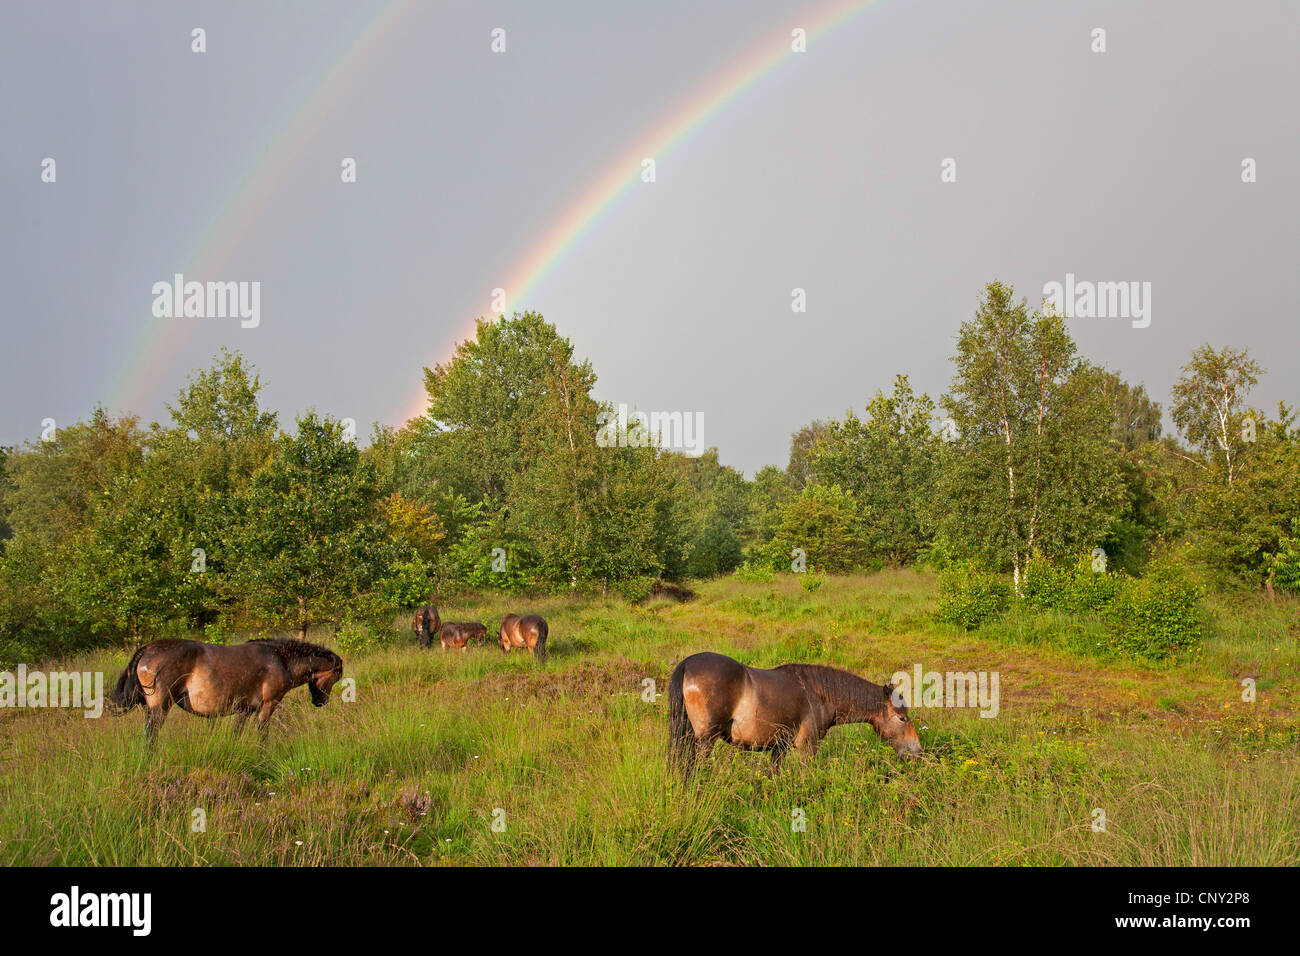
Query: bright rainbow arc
[(561, 238)]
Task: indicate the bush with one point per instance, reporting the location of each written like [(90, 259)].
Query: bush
[(970, 597), (354, 636), (634, 589), (1044, 586), (755, 573), (1091, 590), (810, 581), (1285, 564), (408, 584), (1160, 615)]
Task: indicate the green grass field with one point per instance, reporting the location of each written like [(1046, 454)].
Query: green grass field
[(571, 759)]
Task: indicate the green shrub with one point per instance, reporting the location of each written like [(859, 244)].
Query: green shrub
[(354, 636), (810, 581), (1090, 590), (1285, 564), (755, 573), (408, 584), (1160, 615), (1044, 586), (634, 589), (969, 597)]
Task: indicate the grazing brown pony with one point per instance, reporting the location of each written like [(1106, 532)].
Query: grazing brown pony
[(459, 635), (214, 680), (712, 697), (426, 622), (521, 632)]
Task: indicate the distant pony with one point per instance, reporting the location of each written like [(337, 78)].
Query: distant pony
[(425, 624), (459, 635), (215, 680), (521, 632), (712, 697)]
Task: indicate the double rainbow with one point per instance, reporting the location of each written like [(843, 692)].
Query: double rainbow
[(276, 160)]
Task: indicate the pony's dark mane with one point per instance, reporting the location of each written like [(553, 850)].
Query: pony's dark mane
[(841, 689), (292, 649)]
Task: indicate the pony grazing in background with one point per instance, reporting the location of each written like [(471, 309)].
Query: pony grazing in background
[(425, 624), (524, 632), (215, 680), (712, 697), (459, 635)]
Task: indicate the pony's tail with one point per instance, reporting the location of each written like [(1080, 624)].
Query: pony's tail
[(128, 693), (539, 649), (681, 736)]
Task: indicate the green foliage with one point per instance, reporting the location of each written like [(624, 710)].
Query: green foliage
[(1237, 525), (715, 549), (473, 557), (1285, 563), (970, 597), (1044, 586), (755, 573), (306, 539), (634, 590), (1209, 403), (823, 521), (1156, 616), (408, 584), (1160, 615), (811, 581), (887, 461), (1031, 464), (769, 493), (354, 636)]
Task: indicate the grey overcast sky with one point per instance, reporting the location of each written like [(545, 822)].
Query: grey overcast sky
[(821, 173)]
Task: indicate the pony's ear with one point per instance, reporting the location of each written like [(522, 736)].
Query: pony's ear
[(888, 689)]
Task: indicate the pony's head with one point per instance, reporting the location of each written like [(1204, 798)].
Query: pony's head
[(895, 726), (326, 670)]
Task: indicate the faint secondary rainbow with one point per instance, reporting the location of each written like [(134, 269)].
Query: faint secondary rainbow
[(578, 220), (151, 361)]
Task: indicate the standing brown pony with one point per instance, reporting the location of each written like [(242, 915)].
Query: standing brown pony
[(213, 680), (426, 622), (712, 698), (459, 635), (521, 632)]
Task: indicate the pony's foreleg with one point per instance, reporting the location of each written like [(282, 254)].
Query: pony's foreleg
[(777, 757), (806, 741), (264, 717)]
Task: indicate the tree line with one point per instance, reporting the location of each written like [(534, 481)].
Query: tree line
[(221, 519)]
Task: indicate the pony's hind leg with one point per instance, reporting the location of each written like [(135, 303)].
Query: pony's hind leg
[(153, 721)]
